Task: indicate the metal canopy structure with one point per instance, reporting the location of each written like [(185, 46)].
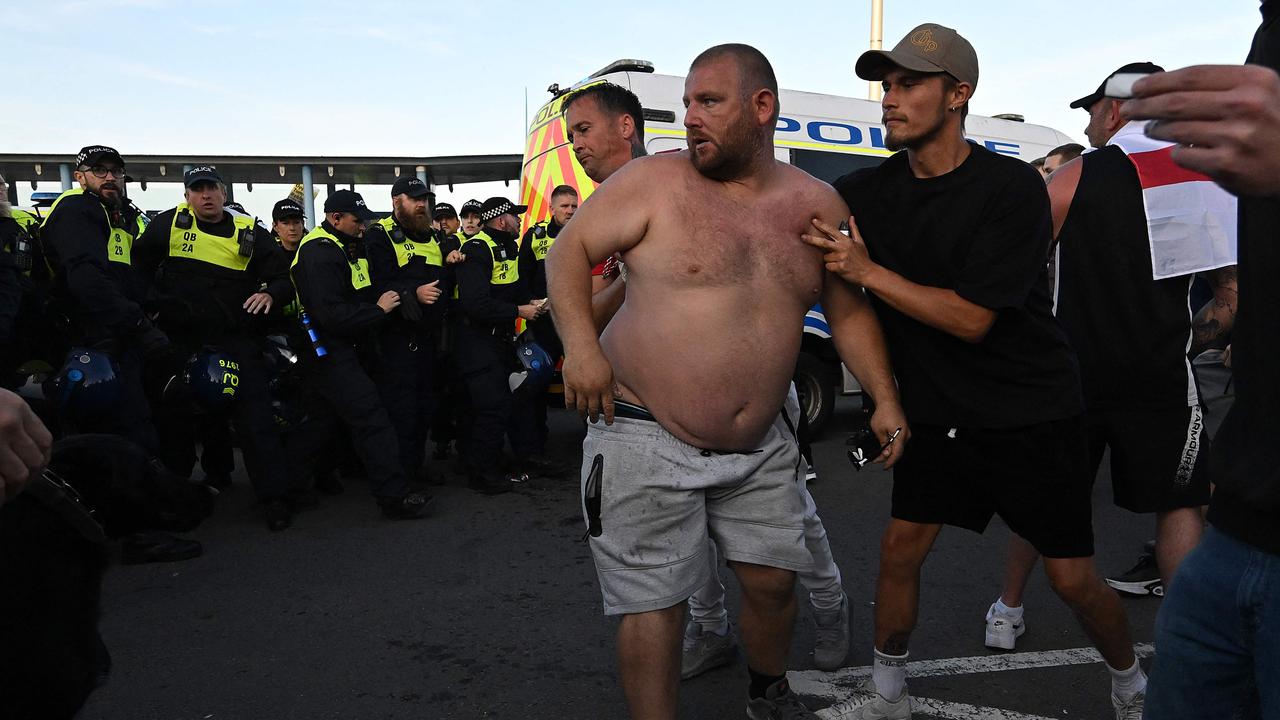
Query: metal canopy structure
[(278, 169)]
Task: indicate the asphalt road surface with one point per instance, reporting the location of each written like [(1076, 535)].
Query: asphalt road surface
[(490, 609)]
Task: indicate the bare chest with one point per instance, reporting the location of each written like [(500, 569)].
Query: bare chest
[(719, 243)]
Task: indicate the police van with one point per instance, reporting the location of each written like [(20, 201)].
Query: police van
[(824, 135)]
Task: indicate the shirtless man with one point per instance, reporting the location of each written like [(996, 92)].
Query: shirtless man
[(695, 367)]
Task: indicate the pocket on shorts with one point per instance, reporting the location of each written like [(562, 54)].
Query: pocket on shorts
[(592, 491)]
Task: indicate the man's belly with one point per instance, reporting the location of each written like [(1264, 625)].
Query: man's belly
[(715, 381)]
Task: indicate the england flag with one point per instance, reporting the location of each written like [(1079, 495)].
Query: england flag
[(1191, 221)]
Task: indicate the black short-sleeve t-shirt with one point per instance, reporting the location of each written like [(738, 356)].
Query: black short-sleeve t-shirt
[(982, 230)]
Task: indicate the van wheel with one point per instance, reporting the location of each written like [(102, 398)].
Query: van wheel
[(817, 391)]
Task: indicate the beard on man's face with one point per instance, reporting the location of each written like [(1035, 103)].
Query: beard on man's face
[(916, 132), (413, 218), (727, 157)]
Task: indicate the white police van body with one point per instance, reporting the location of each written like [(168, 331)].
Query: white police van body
[(825, 135)]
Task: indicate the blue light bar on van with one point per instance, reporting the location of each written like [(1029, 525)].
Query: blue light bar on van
[(662, 116), (625, 65)]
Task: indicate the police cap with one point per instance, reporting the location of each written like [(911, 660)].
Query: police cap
[(411, 186), (443, 210), (470, 207), (93, 154), (286, 208), (498, 206), (201, 173), (348, 201)]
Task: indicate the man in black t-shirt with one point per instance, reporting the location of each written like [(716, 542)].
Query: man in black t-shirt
[(1219, 652), (950, 240)]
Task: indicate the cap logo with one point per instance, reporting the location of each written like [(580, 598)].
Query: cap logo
[(202, 169), (359, 203), (923, 39)]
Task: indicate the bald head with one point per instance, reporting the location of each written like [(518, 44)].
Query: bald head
[(754, 71)]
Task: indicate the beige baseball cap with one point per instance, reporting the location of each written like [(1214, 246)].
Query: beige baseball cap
[(929, 48)]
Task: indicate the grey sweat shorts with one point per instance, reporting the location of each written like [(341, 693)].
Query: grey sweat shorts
[(660, 499)]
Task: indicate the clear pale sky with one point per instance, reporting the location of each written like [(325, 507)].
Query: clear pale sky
[(437, 78)]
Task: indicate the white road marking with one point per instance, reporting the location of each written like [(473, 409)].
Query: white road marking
[(843, 683), (944, 710)]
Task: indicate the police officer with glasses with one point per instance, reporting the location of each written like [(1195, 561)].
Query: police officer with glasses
[(343, 312), (95, 296), (217, 277)]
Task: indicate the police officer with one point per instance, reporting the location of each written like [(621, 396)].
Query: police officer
[(24, 284), (446, 218), (533, 259), (218, 275), (95, 294), (534, 245), (288, 225), (470, 217), (344, 312), (405, 257), (491, 298), (452, 409)]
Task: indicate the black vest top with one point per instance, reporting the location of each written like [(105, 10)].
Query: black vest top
[(1130, 332)]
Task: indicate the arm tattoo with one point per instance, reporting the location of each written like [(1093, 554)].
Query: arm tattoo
[(1217, 317)]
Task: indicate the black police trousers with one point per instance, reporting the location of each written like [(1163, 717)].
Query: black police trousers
[(344, 396), (485, 363), (407, 381), (264, 459), (544, 331), (449, 394)]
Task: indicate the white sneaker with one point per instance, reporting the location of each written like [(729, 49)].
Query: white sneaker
[(1131, 710), (704, 650), (1003, 631), (831, 636), (868, 704)]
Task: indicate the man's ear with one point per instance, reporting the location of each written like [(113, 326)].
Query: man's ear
[(764, 102), (1114, 120)]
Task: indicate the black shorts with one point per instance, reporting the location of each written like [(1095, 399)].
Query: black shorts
[(1036, 477), (1157, 456)]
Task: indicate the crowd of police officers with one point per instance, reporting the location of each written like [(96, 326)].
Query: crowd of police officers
[(349, 346)]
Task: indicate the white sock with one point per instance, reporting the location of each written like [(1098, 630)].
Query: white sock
[(719, 627), (1012, 613), (889, 673), (1125, 684)]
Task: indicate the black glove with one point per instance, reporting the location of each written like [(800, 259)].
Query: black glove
[(152, 340), (409, 307), (174, 312)]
